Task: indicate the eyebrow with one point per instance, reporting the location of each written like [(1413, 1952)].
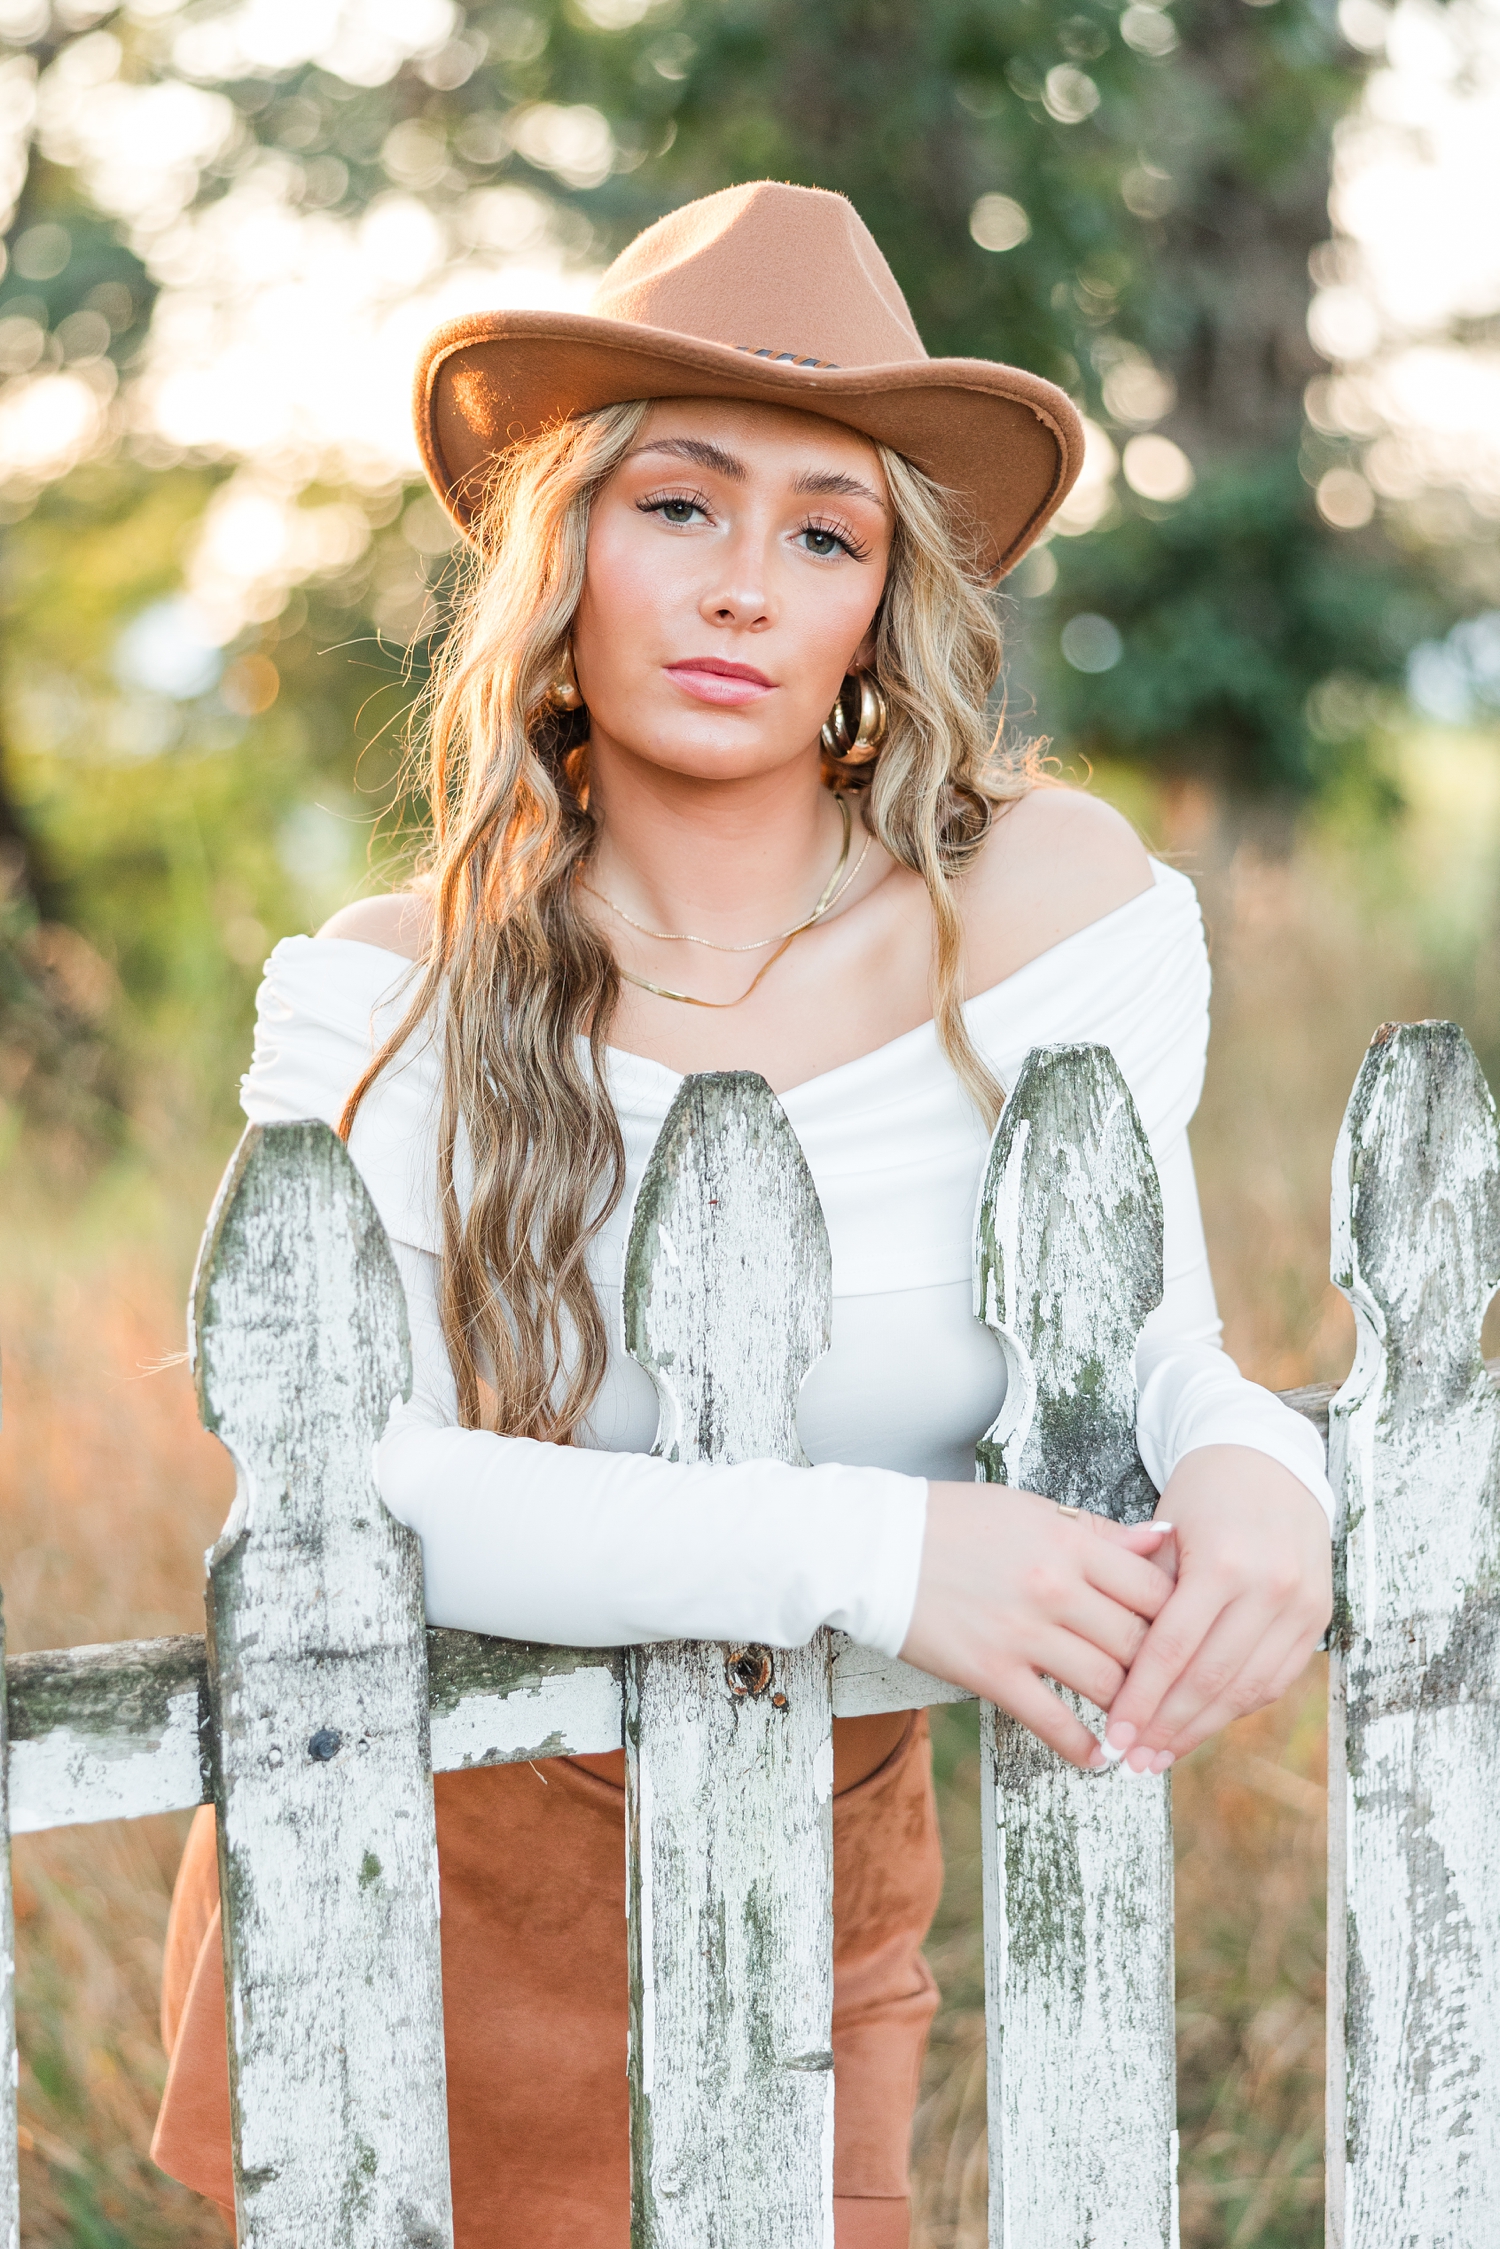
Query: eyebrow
[(835, 481), (706, 455), (699, 450)]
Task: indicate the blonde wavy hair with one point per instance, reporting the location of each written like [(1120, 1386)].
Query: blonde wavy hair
[(519, 984)]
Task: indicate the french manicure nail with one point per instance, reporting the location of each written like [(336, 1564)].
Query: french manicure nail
[(1099, 1758), (1162, 1759), (1159, 1525), (1118, 1737)]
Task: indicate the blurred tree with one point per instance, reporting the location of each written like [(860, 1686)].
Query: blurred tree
[(74, 304), (1123, 197), (1124, 200)]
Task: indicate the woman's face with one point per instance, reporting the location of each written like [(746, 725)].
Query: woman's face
[(736, 560)]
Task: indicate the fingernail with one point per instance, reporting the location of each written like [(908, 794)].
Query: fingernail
[(1159, 1525), (1098, 1759), (1162, 1759), (1118, 1736), (1139, 1761), (1132, 1772)]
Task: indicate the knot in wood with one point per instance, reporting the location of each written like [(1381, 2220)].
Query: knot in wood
[(749, 1671), (325, 1743)]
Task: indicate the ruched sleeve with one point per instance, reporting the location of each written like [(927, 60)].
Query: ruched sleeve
[(1138, 982), (600, 1544), (547, 1542)]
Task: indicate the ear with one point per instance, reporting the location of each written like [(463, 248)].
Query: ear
[(864, 655)]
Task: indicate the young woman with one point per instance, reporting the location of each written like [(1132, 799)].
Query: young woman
[(711, 789)]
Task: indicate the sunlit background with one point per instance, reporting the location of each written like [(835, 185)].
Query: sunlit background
[(1257, 242)]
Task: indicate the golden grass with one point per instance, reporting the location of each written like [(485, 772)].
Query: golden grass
[(112, 1492)]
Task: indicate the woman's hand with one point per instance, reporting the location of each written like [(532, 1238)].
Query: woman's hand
[(1254, 1569), (1012, 1589)]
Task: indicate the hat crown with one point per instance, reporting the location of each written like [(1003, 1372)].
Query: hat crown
[(790, 273)]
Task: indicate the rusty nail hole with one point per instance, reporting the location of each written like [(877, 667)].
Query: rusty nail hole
[(325, 1744), (778, 1702), (748, 1671)]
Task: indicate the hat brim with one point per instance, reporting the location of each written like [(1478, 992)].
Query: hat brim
[(1007, 444)]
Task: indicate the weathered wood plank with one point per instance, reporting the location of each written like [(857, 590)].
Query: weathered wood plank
[(501, 1702), (108, 1732), (1414, 1906), (1078, 1867), (119, 1732), (10, 2179), (317, 1681), (729, 1752), (866, 1683)]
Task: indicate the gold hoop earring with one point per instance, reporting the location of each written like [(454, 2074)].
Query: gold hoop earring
[(563, 694), (863, 746)]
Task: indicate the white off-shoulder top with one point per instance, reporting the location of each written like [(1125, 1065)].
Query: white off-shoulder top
[(600, 1545)]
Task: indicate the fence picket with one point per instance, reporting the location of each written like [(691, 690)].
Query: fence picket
[(729, 1752), (1414, 1910), (1078, 1867), (318, 1684), (10, 2067)]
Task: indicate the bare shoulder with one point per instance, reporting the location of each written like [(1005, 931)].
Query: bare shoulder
[(1056, 860), (400, 923)]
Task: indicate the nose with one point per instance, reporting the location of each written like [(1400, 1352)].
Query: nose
[(739, 595)]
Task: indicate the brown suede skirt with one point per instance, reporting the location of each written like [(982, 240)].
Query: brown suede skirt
[(532, 1867)]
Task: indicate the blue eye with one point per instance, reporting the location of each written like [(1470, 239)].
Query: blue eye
[(676, 508), (823, 542)]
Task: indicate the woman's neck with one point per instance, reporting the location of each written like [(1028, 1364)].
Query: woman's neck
[(730, 860)]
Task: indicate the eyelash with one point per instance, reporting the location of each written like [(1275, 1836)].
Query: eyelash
[(654, 502)]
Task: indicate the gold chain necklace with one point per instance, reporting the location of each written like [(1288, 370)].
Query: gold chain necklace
[(838, 882)]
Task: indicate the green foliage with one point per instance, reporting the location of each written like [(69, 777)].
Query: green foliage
[(1242, 618), (1172, 172), (1166, 174), (180, 838)]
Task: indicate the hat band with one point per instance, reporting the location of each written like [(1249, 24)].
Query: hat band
[(792, 358)]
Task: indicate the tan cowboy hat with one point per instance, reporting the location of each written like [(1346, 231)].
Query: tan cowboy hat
[(762, 292)]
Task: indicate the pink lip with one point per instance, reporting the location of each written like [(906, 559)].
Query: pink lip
[(714, 681)]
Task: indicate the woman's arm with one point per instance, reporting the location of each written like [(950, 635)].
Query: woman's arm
[(1243, 1481), (989, 1588)]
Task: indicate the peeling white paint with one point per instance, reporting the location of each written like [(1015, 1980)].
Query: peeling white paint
[(1077, 1867), (729, 1752), (1414, 1764), (71, 1777), (317, 1672), (575, 1714), (318, 1624)]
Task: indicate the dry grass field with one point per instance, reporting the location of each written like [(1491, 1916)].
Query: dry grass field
[(111, 1493)]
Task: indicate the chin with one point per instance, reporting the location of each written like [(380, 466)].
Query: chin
[(702, 747)]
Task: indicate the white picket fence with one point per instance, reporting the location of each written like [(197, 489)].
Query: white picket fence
[(317, 1709)]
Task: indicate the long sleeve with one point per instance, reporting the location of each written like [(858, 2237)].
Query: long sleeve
[(598, 1543), (1191, 1392), (594, 1549), (558, 1543)]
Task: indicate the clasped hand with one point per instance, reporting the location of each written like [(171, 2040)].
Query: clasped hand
[(1172, 1627)]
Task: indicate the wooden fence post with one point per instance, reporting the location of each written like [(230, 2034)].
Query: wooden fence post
[(1078, 1867), (1414, 1784), (729, 1751), (10, 2063), (318, 1680)]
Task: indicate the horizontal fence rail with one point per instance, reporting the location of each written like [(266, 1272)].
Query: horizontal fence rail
[(316, 1711)]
